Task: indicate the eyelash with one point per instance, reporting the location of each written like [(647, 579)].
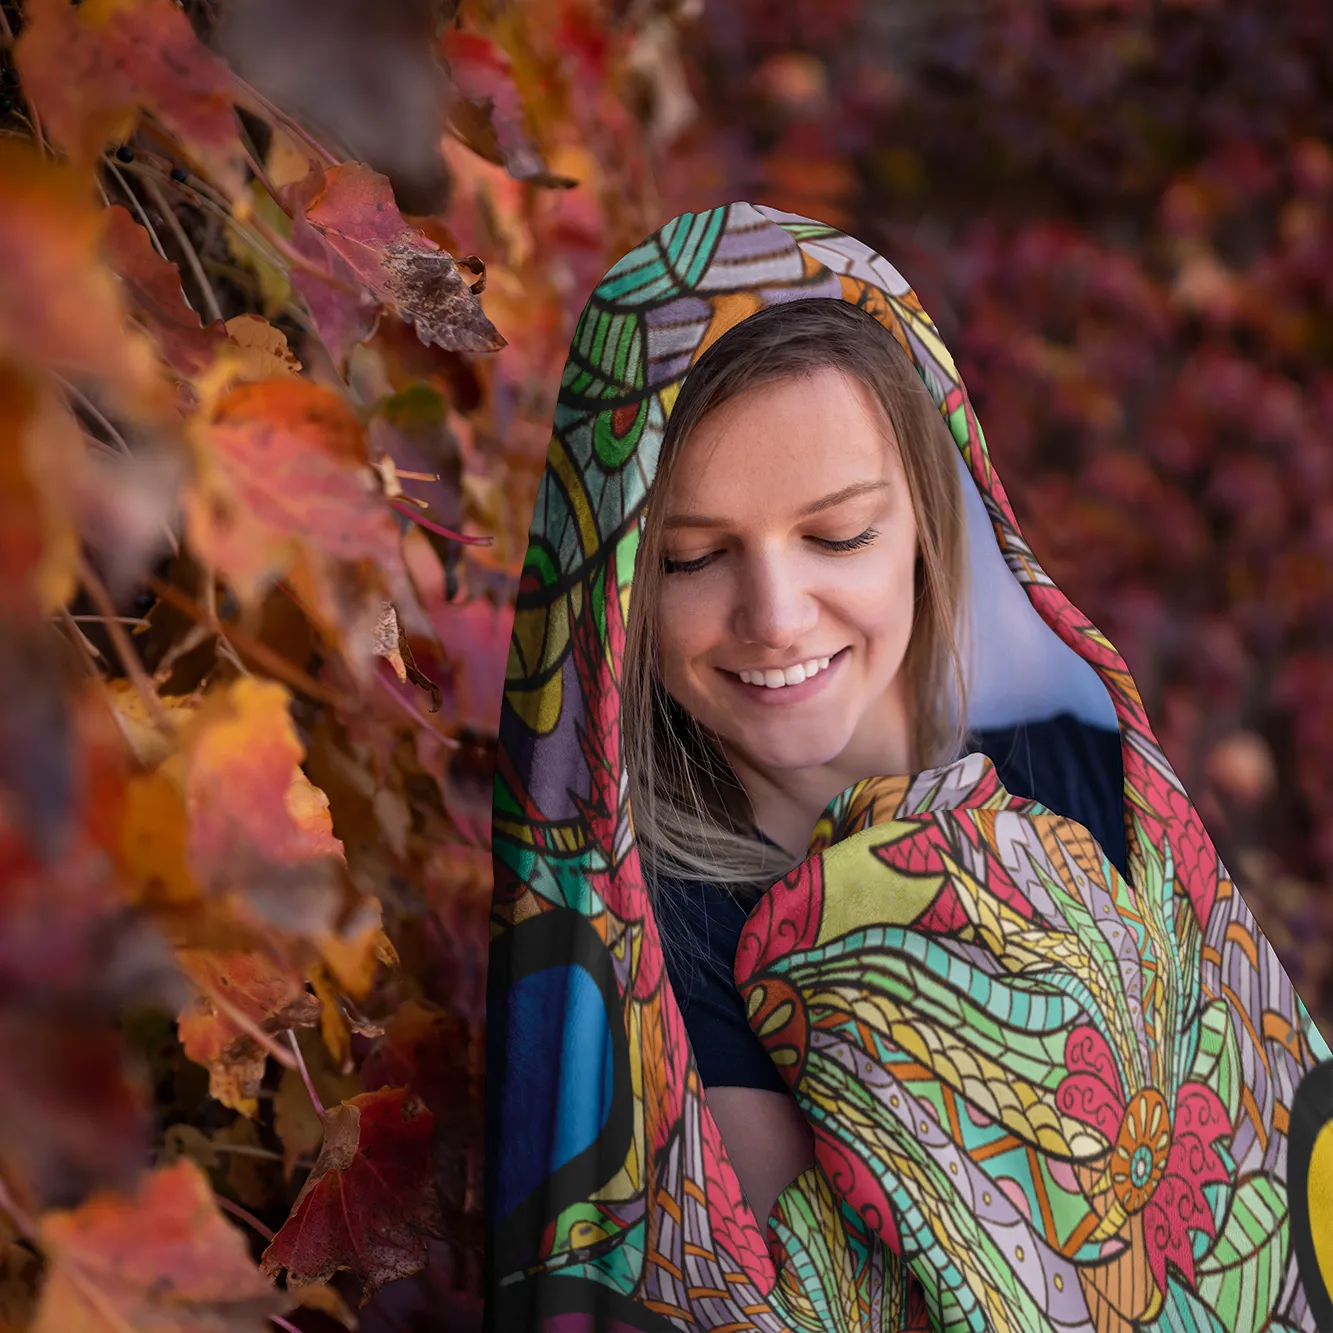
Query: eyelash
[(851, 544)]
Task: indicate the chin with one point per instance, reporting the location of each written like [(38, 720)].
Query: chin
[(788, 753)]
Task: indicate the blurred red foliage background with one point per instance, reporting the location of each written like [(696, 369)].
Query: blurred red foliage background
[(285, 292)]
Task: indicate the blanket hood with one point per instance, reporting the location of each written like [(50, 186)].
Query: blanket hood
[(610, 1200)]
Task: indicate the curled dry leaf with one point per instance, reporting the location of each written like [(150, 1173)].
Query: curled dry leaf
[(247, 984), (90, 69), (160, 1260), (153, 285), (354, 216), (64, 309), (369, 1202)]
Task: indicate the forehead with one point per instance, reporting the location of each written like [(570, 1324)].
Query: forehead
[(784, 443)]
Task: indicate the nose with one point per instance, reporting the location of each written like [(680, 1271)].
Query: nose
[(775, 609)]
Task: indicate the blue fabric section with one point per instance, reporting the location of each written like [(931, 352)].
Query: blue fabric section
[(561, 1061), (1072, 768)]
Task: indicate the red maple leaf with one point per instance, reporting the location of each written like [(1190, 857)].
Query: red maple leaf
[(369, 1202)]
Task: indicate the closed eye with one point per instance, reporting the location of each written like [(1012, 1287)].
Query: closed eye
[(686, 566), (851, 543)]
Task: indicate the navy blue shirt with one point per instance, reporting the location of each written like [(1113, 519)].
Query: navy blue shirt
[(1072, 768)]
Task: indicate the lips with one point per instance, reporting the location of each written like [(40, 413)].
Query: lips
[(777, 678)]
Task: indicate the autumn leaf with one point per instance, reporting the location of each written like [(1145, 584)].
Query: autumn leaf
[(90, 69), (153, 285), (369, 1202), (63, 308), (438, 1055), (233, 986), (38, 535), (285, 490), (232, 800), (255, 350), (489, 116), (356, 219), (160, 1260)]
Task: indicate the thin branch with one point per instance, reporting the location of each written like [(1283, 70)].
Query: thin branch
[(305, 1073), (204, 200), (244, 1215), (212, 308), (280, 117), (101, 620), (138, 207), (97, 415), (297, 260), (247, 1025), (272, 662), (224, 648), (87, 649), (260, 174), (431, 526), (246, 1150), (33, 118), (25, 1224), (415, 713), (120, 640)]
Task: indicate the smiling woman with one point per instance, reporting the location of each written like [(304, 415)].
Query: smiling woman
[(807, 510), (858, 960), (799, 626)]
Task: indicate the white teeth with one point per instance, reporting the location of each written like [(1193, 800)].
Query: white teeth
[(775, 678)]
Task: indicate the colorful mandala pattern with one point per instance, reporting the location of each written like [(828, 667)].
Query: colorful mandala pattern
[(1044, 1097)]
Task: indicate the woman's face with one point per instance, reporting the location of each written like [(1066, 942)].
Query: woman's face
[(787, 592)]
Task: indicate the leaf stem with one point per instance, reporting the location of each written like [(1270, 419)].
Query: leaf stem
[(431, 526), (97, 415), (245, 1216), (247, 1025), (136, 205), (281, 118), (272, 662), (33, 118), (212, 308), (305, 1073), (16, 1213), (120, 640)]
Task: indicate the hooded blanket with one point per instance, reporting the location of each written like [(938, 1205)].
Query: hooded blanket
[(1044, 1096)]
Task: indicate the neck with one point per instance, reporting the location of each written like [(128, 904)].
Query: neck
[(788, 802)]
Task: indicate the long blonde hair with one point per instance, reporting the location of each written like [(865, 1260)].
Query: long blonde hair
[(691, 816)]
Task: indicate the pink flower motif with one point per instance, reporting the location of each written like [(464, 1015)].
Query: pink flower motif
[(1162, 1155)]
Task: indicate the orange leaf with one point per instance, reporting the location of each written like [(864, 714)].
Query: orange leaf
[(286, 482), (162, 1260), (369, 1202), (154, 287), (230, 811), (39, 449), (90, 69), (270, 996), (358, 222), (63, 308)]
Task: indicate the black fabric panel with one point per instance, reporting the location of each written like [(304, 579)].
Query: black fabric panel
[(1072, 768)]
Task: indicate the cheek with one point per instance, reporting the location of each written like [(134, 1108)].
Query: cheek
[(687, 624)]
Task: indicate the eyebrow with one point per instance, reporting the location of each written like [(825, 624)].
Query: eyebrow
[(814, 507)]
